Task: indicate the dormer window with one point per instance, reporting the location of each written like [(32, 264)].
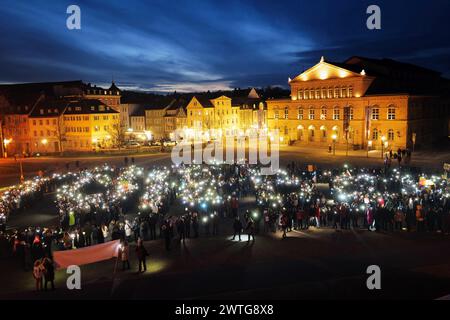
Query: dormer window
[(92, 108), (41, 111)]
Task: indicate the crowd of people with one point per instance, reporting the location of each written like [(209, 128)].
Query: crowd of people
[(187, 201)]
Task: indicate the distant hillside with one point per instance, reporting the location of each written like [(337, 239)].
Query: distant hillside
[(146, 97)]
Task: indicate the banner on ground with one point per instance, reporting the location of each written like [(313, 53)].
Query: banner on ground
[(96, 253)]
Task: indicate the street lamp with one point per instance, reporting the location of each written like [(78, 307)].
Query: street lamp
[(6, 142), (44, 142), (334, 137), (383, 139)]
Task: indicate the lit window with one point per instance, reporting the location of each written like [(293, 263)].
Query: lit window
[(276, 114), (336, 92), (311, 114), (344, 92), (391, 114), (336, 114), (324, 93), (300, 94), (317, 93), (375, 114), (306, 94), (311, 93), (391, 135), (323, 114), (286, 113), (300, 114), (330, 93), (350, 92), (375, 134), (350, 113)]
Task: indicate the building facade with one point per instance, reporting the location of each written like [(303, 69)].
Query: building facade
[(361, 103)]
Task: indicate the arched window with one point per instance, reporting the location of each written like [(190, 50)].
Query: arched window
[(391, 113), (336, 113), (391, 135), (311, 114), (300, 113), (323, 113), (375, 134)]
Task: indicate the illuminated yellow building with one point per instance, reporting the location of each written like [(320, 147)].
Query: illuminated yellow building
[(90, 125), (210, 119), (362, 103)]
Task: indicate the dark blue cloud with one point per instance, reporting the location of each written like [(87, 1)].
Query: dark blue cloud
[(193, 45)]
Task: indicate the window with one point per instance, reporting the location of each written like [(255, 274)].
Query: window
[(336, 114), (350, 92), (375, 114), (317, 93), (41, 111), (286, 113), (47, 122), (375, 134), (323, 114), (336, 92), (344, 92), (350, 113), (306, 94), (391, 135), (34, 122), (324, 93), (276, 114), (300, 94), (311, 93), (391, 113), (41, 122), (300, 114), (311, 114), (330, 93)]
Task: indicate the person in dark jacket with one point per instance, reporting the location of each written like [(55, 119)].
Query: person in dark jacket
[(237, 227), (141, 254), (49, 274)]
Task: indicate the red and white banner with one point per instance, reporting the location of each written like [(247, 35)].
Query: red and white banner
[(78, 257)]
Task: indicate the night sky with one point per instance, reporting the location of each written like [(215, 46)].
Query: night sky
[(190, 45)]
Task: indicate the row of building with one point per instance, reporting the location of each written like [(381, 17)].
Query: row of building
[(360, 103)]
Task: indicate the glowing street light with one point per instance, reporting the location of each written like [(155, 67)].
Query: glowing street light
[(5, 144)]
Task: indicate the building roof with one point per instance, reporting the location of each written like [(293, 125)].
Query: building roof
[(158, 103), (204, 101), (139, 111), (88, 106), (47, 108)]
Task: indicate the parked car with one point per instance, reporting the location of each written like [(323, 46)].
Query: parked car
[(132, 144)]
